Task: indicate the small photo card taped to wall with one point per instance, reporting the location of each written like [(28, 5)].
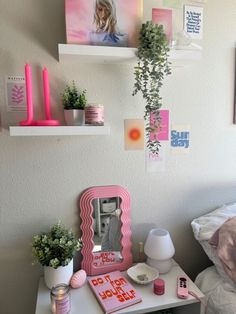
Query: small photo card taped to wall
[(154, 162), (180, 139), (134, 134), (160, 128), (193, 21), (15, 93)]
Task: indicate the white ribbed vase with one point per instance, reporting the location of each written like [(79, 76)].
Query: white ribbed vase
[(62, 274)]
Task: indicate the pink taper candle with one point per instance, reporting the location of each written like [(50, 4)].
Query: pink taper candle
[(29, 93), (46, 94)]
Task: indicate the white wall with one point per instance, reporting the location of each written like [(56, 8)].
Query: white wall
[(41, 178)]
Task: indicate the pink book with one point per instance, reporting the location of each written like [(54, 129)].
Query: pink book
[(113, 291), (163, 17)]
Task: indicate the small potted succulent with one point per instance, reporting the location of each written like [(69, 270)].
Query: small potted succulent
[(54, 250), (74, 103)]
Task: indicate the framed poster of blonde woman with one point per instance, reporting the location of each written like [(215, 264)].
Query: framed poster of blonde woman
[(103, 22)]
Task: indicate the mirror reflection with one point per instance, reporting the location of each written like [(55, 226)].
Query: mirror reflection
[(106, 233), (107, 225)]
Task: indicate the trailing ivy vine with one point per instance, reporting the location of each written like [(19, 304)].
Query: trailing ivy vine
[(152, 67)]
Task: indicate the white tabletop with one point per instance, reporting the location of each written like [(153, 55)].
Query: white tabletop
[(84, 301)]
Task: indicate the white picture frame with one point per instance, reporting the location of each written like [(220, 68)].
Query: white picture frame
[(193, 21)]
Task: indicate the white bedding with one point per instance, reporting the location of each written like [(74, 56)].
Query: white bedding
[(205, 226), (220, 295)]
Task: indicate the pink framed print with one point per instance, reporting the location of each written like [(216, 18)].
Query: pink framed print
[(106, 232), (103, 22), (163, 17)]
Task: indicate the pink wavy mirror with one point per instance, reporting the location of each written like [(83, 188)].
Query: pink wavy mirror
[(106, 232)]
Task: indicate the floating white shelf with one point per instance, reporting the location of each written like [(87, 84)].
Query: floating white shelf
[(104, 54), (101, 54), (58, 130)]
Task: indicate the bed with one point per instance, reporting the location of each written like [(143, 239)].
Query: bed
[(220, 296), (216, 233)]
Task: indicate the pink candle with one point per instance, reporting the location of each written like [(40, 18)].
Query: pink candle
[(46, 94), (29, 94)]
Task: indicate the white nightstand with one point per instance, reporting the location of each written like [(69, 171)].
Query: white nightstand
[(83, 300)]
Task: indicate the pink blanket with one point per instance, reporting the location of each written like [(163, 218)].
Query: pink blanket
[(224, 240)]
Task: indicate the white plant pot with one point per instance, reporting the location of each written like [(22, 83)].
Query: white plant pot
[(74, 117), (54, 276)]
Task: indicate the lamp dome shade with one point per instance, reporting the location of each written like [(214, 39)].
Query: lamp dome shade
[(159, 245)]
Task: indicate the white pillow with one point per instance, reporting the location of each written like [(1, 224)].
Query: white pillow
[(205, 226)]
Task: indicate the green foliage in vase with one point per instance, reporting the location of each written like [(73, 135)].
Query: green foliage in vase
[(152, 67), (56, 247), (72, 98)]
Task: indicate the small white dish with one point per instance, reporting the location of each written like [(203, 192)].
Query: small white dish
[(142, 273)]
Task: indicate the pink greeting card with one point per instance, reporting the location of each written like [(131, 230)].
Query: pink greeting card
[(160, 128), (163, 17), (103, 22)]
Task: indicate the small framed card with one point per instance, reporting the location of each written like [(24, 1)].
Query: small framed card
[(193, 21), (15, 93)]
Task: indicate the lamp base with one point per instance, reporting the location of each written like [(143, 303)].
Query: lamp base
[(162, 266)]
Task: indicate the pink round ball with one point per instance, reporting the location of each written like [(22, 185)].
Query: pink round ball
[(78, 279)]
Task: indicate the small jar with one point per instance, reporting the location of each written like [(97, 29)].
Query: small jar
[(60, 299), (94, 114), (159, 286)]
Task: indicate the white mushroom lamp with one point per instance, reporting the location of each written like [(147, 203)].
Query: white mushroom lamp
[(159, 249)]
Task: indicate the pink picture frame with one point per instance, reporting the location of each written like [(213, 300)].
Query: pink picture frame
[(163, 17), (89, 261)]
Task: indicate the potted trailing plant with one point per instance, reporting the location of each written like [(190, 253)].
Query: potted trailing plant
[(149, 73), (74, 103), (54, 250)]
